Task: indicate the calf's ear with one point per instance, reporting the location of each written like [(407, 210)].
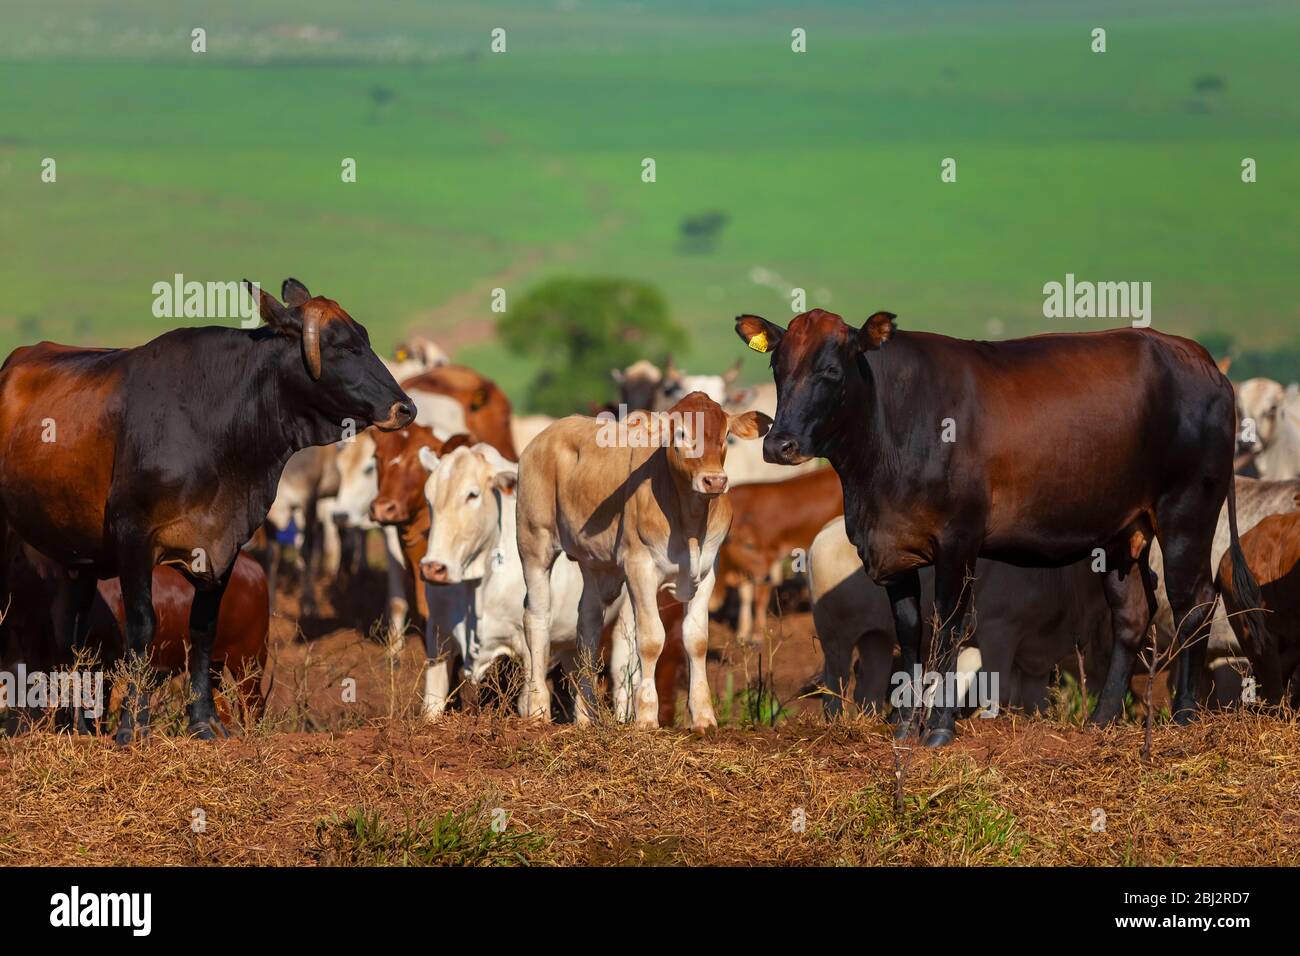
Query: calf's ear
[(876, 331), (428, 458), (758, 333), (750, 424)]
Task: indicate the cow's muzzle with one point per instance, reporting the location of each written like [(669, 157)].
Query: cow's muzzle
[(710, 483), (435, 572), (782, 448), (400, 414), (387, 511)]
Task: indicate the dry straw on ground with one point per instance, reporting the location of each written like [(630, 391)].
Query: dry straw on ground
[(491, 789)]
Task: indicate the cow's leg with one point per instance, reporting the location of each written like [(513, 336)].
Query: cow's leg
[(599, 589), (1187, 524), (536, 700), (1128, 592), (905, 604), (75, 600), (695, 639), (203, 633), (398, 608), (623, 665), (745, 613), (643, 593), (136, 575), (952, 587), (446, 621), (837, 654), (762, 596), (309, 557)]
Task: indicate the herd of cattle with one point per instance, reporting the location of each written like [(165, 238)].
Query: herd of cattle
[(1039, 501)]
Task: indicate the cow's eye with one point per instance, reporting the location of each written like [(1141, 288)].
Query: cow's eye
[(833, 373), (473, 494)]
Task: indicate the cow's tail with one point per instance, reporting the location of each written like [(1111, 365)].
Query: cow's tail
[(1244, 585)]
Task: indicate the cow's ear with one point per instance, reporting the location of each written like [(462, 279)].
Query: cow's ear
[(758, 333), (478, 399), (750, 424), (618, 375), (876, 331), (269, 308), (730, 375), (1224, 364), (294, 293), (428, 458)]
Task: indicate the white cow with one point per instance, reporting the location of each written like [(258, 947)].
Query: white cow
[(471, 496)]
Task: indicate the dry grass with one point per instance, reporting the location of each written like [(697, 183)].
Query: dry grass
[(492, 789)]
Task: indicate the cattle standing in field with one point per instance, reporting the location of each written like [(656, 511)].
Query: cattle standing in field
[(1272, 551), (1256, 500), (113, 461), (769, 521), (1032, 451), (399, 505), (1030, 619), (643, 505), (472, 542)]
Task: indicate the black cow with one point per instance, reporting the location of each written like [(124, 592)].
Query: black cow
[(113, 461), (1033, 452)]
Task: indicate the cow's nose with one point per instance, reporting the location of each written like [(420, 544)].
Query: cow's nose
[(780, 448), (714, 484), (435, 572), (386, 511), (400, 414)]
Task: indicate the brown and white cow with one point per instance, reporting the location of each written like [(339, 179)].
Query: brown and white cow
[(641, 503)]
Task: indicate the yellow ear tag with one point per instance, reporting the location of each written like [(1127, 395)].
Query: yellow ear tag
[(401, 355), (758, 342)]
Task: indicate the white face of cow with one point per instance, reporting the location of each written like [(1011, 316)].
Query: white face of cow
[(1259, 402), (358, 483), (462, 491)]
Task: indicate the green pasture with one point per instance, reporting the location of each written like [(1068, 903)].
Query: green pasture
[(478, 170)]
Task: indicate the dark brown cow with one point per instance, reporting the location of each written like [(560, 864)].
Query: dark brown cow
[(1032, 451), (113, 461), (768, 521), (1272, 550), (243, 623), (487, 410)]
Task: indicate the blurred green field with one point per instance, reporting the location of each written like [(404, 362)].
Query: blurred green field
[(477, 170)]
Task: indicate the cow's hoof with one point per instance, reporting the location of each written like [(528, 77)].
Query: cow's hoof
[(937, 737), (203, 729), (1186, 716), (703, 727), (123, 737)]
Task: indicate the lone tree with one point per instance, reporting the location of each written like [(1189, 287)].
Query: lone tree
[(578, 329)]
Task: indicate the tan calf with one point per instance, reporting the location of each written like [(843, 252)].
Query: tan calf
[(644, 504)]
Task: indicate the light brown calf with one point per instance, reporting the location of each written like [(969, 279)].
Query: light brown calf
[(643, 504)]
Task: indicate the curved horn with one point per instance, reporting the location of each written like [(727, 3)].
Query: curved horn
[(311, 343)]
